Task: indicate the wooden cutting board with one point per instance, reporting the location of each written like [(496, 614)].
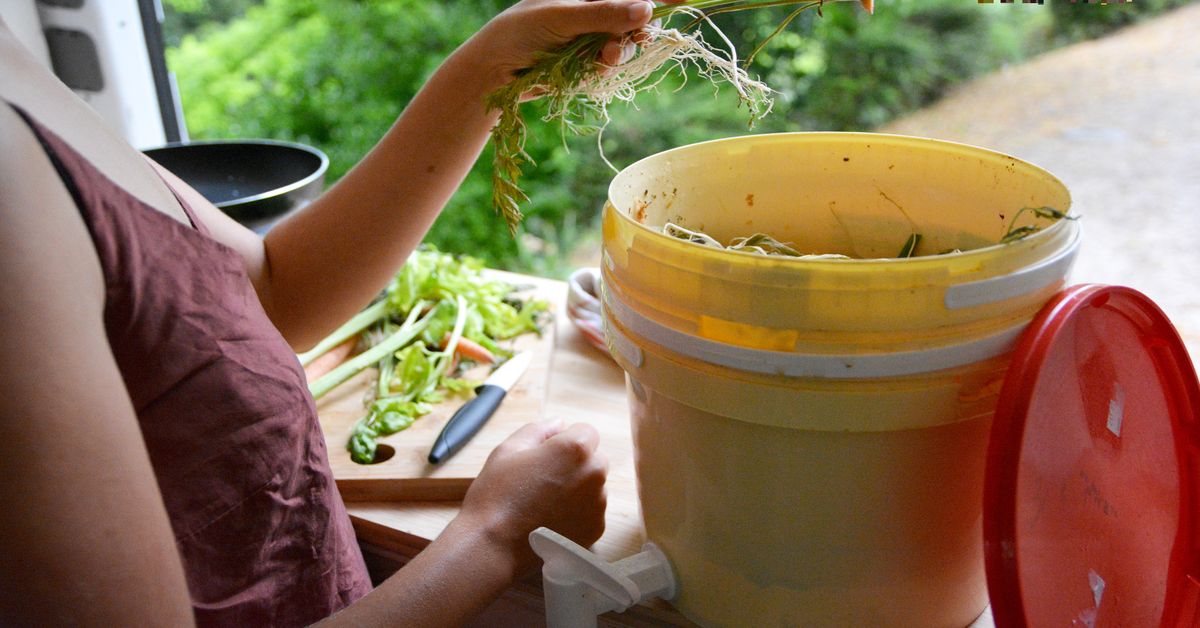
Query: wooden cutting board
[(407, 475)]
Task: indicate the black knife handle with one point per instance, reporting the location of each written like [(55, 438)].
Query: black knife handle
[(466, 421)]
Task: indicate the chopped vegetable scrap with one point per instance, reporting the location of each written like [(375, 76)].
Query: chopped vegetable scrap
[(1015, 233), (910, 246), (759, 243), (763, 244), (439, 309)]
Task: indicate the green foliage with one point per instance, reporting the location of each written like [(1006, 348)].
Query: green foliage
[(1082, 20), (335, 74), (189, 16), (851, 71), (329, 73)]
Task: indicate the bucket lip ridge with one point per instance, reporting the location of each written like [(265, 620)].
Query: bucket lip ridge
[(961, 147)]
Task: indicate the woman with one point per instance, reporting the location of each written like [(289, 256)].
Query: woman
[(161, 460)]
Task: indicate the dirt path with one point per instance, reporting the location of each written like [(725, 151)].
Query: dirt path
[(1118, 120)]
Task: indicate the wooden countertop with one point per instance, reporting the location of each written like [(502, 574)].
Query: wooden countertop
[(585, 385)]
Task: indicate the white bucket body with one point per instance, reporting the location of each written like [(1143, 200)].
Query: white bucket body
[(810, 434)]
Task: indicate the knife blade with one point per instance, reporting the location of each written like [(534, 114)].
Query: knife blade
[(473, 414)]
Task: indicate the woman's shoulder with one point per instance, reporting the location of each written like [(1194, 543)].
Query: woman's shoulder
[(79, 128), (41, 234), (26, 83)]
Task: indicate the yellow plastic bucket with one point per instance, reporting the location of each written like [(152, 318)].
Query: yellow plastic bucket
[(809, 434)]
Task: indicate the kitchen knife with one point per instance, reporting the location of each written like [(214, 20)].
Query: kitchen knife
[(473, 414)]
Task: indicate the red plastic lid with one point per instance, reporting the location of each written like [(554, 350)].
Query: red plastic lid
[(1092, 493)]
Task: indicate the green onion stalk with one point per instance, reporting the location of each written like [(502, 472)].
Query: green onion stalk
[(421, 372), (352, 327), (407, 332)]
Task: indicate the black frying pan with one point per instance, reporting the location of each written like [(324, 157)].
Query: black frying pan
[(256, 182)]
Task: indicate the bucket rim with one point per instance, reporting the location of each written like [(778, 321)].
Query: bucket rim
[(1033, 239)]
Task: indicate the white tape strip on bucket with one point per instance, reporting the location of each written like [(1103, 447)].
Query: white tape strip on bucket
[(621, 344), (1025, 281), (816, 365)]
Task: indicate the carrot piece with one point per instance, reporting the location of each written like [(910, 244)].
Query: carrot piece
[(330, 359), (471, 350)]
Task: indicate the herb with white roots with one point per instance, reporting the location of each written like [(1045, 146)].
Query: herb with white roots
[(763, 244), (579, 88)]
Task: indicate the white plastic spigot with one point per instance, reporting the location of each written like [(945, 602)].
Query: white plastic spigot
[(579, 586)]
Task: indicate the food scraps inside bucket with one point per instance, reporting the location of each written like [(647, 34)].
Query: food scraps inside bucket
[(578, 88), (765, 244)]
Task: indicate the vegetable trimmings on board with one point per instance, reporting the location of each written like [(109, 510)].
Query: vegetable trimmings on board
[(438, 312), (763, 244)]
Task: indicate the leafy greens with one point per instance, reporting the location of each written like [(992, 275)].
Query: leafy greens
[(412, 334)]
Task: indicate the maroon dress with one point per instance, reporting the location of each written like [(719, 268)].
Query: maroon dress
[(224, 412)]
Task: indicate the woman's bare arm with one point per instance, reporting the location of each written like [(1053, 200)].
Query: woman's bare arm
[(84, 535), (538, 476), (326, 262)]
